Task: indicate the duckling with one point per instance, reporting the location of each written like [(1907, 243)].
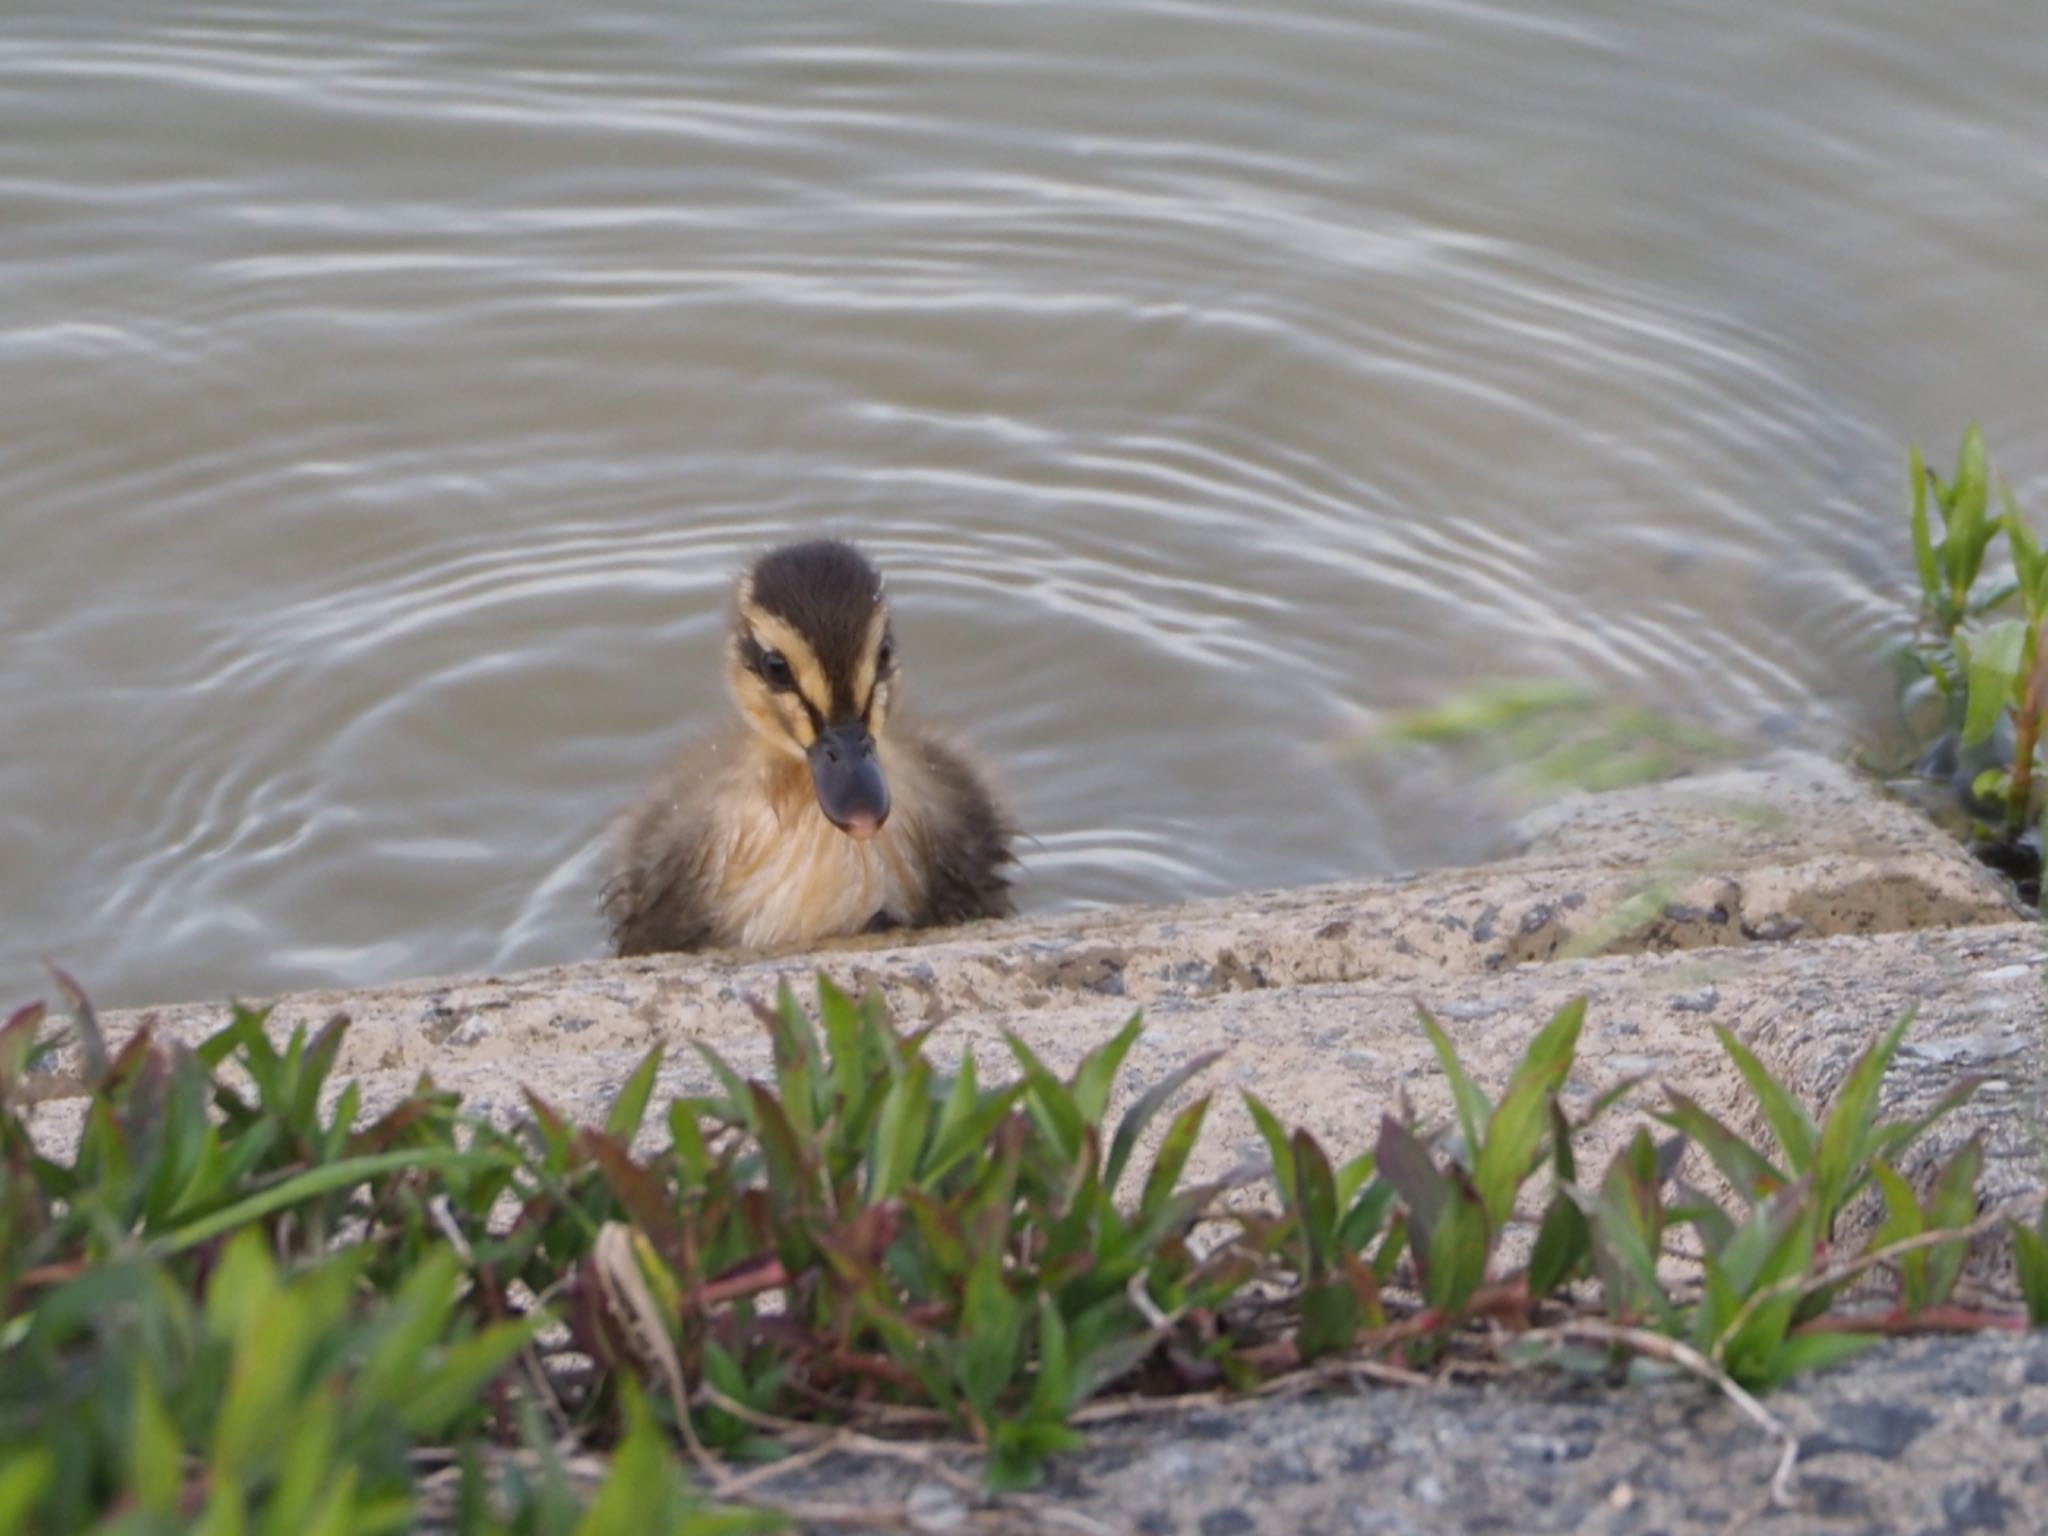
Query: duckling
[(826, 811)]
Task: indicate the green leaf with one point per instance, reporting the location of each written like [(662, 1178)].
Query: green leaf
[(630, 1107), (1923, 539), (270, 1349), (1993, 658), (739, 1102), (990, 1320), (1473, 1109), (1891, 1140), (451, 1386), (2027, 556), (1278, 1147), (1174, 1150), (794, 1046), (643, 1493), (1562, 1245), (1096, 1075), (227, 1512), (1811, 1352), (1848, 1138), (965, 1137), (1514, 1135), (305, 1468), (1992, 784), (2026, 549), (1406, 1165), (156, 1455), (1050, 1103), (2030, 1256), (1020, 1449), (1140, 1114), (1951, 1205), (843, 1038), (1051, 1393), (315, 1064), (1458, 1248), (1365, 1217), (1968, 529), (1315, 1202), (1778, 1243), (242, 1283), (899, 1133), (1903, 1221), (686, 1141), (1626, 1219), (1331, 1315), (414, 1321), (1787, 1118), (1354, 1176), (25, 1475), (323, 1181), (1752, 1174), (961, 1098)]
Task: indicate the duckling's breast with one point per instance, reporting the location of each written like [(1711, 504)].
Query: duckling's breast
[(793, 878)]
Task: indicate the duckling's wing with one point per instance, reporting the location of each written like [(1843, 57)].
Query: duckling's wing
[(969, 842), (659, 895)]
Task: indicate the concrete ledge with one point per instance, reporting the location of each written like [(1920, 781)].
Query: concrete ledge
[(1790, 902)]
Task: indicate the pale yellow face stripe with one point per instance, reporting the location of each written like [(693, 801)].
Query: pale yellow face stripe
[(773, 633), (870, 655)]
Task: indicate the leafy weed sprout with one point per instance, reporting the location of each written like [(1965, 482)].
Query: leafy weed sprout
[(1978, 643)]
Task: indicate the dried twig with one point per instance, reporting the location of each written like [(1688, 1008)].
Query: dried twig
[(1849, 1269)]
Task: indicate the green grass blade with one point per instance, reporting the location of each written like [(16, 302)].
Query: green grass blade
[(1140, 1114), (1096, 1075), (1923, 538), (1473, 1108), (1788, 1120), (630, 1107), (1849, 1134), (2030, 1256), (322, 1181), (1993, 657)]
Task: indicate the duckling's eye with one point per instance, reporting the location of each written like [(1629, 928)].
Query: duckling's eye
[(775, 668)]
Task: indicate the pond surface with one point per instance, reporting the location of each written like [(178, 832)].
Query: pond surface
[(390, 390)]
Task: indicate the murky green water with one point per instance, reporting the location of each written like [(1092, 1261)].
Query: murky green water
[(390, 390)]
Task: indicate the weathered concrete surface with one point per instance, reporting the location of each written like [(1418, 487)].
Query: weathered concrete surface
[(1923, 1436), (1799, 849), (1790, 903)]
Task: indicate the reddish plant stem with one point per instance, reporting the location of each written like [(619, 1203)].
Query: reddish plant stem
[(1941, 1319), (2019, 798)]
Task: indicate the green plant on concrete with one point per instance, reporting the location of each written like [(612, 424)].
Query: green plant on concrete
[(1766, 1270), (227, 1313), (921, 1238), (1950, 563), (244, 1303), (1981, 657)]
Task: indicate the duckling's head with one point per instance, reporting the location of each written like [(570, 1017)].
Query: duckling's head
[(812, 666)]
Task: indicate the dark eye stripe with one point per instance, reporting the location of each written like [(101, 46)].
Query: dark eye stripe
[(772, 667)]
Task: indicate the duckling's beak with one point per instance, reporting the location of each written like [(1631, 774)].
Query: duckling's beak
[(851, 790)]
